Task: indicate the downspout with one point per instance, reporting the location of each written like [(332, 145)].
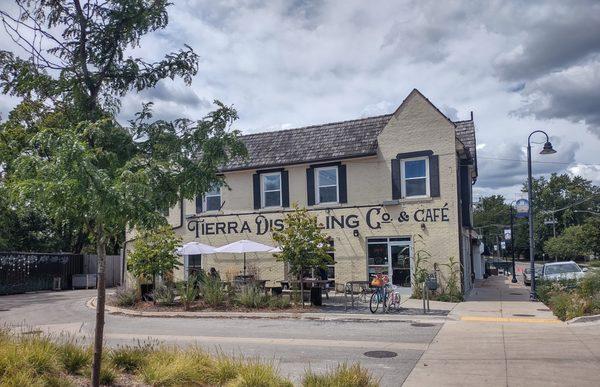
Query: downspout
[(124, 251)]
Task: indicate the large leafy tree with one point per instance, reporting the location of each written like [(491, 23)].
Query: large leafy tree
[(570, 200), (70, 154)]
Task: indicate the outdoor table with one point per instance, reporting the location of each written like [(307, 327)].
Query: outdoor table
[(351, 285), (313, 282)]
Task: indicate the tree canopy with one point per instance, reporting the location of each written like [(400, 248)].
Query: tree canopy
[(62, 148)]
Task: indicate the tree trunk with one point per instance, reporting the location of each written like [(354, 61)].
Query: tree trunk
[(99, 333)]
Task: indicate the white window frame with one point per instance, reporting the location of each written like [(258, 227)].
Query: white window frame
[(263, 191), (204, 201), (404, 178), (318, 186)]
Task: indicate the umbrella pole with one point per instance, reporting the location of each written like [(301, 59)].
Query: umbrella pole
[(244, 265)]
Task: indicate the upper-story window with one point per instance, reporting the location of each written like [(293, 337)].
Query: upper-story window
[(327, 184), (210, 201), (415, 177), (271, 189)]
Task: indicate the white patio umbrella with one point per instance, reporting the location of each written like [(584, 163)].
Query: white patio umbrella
[(192, 248), (244, 246)]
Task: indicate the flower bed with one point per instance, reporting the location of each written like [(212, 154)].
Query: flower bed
[(206, 295), (571, 298)]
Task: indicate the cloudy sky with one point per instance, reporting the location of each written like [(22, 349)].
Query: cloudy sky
[(519, 66)]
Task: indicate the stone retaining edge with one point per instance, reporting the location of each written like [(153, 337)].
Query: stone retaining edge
[(91, 303), (584, 319)]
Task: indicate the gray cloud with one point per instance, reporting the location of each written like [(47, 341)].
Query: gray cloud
[(506, 164), (572, 94)]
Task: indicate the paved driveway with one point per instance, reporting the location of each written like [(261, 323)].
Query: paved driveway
[(294, 345)]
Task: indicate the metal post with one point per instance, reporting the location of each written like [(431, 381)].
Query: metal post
[(530, 213), (512, 244), (423, 297)]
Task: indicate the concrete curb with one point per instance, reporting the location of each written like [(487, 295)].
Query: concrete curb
[(91, 303), (584, 319)]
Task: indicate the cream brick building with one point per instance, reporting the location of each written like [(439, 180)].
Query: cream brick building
[(386, 189)]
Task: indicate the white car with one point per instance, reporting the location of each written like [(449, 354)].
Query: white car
[(561, 271)]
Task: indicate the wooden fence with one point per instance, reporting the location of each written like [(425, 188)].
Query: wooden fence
[(27, 272)]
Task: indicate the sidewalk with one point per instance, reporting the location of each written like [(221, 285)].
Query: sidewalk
[(499, 338)]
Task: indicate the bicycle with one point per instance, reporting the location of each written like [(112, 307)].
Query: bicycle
[(383, 294)]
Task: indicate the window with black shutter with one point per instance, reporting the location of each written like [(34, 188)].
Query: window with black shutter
[(326, 183), (271, 188), (415, 175)]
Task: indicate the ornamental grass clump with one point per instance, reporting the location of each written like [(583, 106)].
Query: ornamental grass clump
[(188, 292), (342, 375), (126, 296), (163, 295), (212, 292), (73, 357), (252, 297), (129, 358)]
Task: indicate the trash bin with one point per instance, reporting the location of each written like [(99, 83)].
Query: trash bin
[(316, 298)]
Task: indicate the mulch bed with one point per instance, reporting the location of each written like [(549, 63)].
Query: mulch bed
[(201, 306)]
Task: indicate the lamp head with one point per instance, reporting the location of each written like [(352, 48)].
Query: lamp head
[(548, 150)]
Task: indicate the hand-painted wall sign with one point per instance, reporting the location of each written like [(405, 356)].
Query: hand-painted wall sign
[(375, 218)]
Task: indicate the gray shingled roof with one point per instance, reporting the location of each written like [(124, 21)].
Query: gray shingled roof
[(320, 143), (465, 132), (317, 143)]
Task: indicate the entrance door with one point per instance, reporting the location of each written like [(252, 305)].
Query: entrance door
[(400, 263), (390, 256)]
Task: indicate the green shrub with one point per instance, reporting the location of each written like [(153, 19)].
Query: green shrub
[(213, 292), (567, 306), (125, 296), (129, 358), (252, 297), (163, 295), (342, 375), (590, 285), (73, 357), (594, 263)]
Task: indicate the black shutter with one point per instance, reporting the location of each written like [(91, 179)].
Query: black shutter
[(465, 195), (310, 186), (256, 190), (434, 176), (342, 183), (285, 189), (198, 203), (396, 179)]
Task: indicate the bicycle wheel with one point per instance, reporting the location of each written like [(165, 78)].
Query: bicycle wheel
[(374, 303)]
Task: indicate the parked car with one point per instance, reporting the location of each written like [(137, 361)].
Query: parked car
[(527, 276), (562, 270)]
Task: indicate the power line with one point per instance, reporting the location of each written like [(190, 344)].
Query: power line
[(539, 162)]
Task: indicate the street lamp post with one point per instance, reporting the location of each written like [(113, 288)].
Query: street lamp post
[(512, 243), (545, 151)]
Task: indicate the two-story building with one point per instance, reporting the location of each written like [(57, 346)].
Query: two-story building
[(389, 190)]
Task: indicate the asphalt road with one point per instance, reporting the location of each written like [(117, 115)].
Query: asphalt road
[(293, 345)]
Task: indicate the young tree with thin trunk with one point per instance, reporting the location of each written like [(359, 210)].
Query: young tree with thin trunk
[(76, 159)]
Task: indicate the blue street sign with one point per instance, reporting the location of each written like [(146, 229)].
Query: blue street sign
[(522, 206)]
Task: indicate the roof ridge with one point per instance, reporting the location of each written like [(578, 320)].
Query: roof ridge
[(318, 125)]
